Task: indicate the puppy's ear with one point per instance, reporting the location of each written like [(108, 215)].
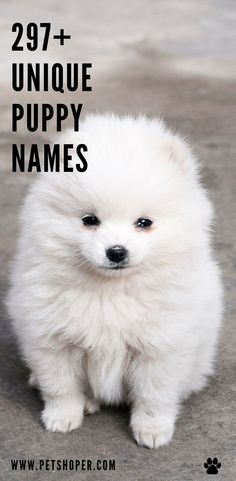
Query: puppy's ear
[(180, 154)]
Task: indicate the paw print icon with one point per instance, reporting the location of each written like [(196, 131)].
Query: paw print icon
[(212, 466)]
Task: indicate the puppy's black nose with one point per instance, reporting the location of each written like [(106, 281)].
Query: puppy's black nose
[(116, 253)]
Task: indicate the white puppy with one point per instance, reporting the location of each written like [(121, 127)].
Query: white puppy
[(115, 295)]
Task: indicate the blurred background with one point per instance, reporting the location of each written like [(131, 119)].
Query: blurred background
[(169, 58)]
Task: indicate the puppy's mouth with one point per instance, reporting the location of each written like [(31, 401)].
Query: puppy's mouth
[(116, 267)]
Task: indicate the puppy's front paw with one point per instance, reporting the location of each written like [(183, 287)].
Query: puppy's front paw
[(63, 414), (154, 438), (152, 432)]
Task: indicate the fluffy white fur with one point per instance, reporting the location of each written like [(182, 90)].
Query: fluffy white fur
[(146, 334)]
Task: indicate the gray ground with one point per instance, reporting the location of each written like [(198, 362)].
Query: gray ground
[(174, 58)]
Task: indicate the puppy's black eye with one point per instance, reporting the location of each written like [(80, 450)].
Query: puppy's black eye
[(90, 220), (143, 223)]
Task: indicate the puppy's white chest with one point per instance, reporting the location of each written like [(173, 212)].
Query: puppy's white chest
[(105, 371), (107, 332)]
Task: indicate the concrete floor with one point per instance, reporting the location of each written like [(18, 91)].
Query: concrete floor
[(171, 58)]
